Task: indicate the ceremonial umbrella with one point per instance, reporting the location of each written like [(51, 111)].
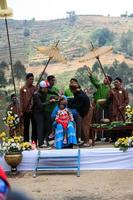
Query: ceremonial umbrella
[(96, 53), (6, 12), (53, 53)]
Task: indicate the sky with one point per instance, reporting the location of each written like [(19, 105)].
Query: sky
[(54, 9)]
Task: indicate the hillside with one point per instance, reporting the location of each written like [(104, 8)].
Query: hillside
[(74, 40), (74, 43), (75, 64)]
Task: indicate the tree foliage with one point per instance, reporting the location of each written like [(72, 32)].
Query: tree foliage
[(102, 37), (122, 70), (26, 32), (72, 17), (95, 67), (82, 76), (19, 70), (126, 43), (3, 80), (3, 67)]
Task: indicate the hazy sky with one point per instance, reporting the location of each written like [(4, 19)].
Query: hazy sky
[(53, 9)]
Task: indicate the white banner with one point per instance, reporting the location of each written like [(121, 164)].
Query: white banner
[(91, 159)]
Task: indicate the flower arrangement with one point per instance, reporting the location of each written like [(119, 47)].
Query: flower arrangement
[(11, 119), (129, 113), (111, 125), (124, 143), (12, 145), (25, 146), (2, 135)]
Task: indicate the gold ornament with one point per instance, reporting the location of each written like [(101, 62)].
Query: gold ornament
[(4, 10)]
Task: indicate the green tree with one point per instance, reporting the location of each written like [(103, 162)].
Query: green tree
[(102, 37), (116, 63), (72, 17), (111, 71), (114, 69), (125, 72), (26, 32), (126, 43), (19, 70), (3, 65), (82, 76), (95, 67), (122, 70), (96, 70), (3, 80)]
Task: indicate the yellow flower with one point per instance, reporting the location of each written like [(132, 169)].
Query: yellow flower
[(3, 134), (26, 145), (131, 137)]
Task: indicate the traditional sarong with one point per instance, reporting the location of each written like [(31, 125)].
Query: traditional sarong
[(60, 132)]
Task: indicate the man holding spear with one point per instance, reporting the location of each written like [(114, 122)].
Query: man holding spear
[(101, 96), (96, 53)]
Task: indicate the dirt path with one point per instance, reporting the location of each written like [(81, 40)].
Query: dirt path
[(92, 185)]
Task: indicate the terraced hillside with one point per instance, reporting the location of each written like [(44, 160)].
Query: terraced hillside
[(74, 40)]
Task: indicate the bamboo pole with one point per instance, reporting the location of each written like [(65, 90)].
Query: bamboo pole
[(5, 12), (10, 55)]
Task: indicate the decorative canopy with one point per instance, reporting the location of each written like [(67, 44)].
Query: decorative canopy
[(52, 52), (96, 52)]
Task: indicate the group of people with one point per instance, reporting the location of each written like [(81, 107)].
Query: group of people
[(67, 117), (52, 113), (110, 101)]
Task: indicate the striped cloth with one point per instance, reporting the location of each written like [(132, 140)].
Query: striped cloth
[(60, 132)]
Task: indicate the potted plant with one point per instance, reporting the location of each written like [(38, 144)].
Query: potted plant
[(124, 143), (12, 149)]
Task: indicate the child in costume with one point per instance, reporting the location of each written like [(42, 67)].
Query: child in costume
[(63, 117)]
